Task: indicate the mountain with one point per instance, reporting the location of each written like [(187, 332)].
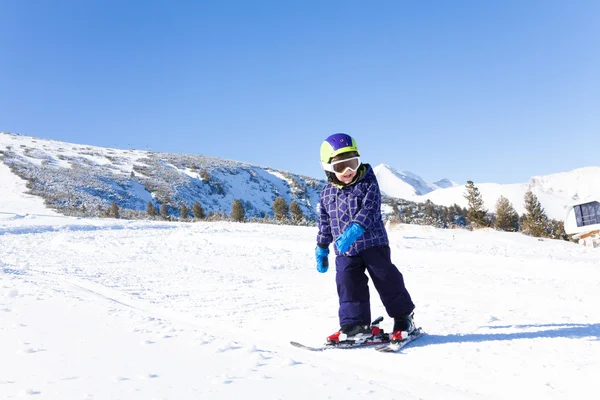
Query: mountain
[(404, 184), (84, 180), (444, 183), (555, 192)]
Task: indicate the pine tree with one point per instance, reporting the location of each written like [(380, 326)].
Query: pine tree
[(507, 218), (164, 211), (198, 211), (395, 209), (280, 208), (150, 210), (237, 211), (184, 210), (556, 230), (114, 210), (534, 220), (476, 214), (297, 214), (407, 215), (204, 175)]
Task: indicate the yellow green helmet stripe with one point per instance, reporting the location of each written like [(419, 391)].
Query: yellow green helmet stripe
[(337, 144)]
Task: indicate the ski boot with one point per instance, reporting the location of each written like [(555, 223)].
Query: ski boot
[(357, 333), (403, 328)]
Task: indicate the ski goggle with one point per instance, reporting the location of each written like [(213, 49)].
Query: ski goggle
[(340, 166)]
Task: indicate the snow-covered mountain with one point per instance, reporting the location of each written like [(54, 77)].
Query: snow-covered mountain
[(72, 177), (404, 184), (555, 192), (82, 180)]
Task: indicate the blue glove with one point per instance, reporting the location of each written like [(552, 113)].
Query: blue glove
[(322, 260), (346, 239)]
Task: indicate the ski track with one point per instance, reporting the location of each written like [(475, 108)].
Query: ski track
[(233, 295)]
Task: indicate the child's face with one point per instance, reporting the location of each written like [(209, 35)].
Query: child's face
[(348, 175)]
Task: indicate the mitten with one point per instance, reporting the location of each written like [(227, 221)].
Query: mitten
[(346, 239), (322, 260)]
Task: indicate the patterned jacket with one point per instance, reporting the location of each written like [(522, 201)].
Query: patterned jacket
[(358, 202)]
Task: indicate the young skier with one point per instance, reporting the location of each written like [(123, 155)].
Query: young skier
[(350, 215)]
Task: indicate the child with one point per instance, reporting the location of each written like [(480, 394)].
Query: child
[(350, 214)]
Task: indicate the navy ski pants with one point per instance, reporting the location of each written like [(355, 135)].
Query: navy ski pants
[(353, 289)]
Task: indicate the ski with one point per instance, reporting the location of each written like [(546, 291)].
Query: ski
[(396, 347), (378, 337), (342, 345)]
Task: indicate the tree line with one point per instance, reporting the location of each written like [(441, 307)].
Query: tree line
[(534, 222), (282, 212)]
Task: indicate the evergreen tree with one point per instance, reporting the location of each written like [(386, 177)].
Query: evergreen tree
[(280, 208), (297, 214), (556, 230), (204, 175), (114, 210), (150, 210), (184, 210), (507, 218), (237, 211), (476, 215), (407, 215), (164, 211), (395, 209), (198, 211), (534, 220)]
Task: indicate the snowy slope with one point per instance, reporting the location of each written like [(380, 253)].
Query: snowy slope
[(137, 310), (14, 198), (80, 180)]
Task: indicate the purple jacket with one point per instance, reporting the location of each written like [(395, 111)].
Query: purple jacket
[(358, 202)]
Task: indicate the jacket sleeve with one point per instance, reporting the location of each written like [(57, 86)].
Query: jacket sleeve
[(371, 207), (324, 237)]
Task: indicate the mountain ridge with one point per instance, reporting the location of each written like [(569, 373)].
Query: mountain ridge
[(76, 176)]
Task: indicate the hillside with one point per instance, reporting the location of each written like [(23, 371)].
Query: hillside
[(84, 180)]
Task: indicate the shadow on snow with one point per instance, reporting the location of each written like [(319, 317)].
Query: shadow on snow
[(567, 331)]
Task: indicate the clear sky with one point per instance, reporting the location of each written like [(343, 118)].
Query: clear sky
[(491, 91)]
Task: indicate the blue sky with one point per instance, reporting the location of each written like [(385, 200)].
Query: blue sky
[(491, 91)]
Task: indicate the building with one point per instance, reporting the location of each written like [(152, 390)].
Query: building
[(583, 222), (591, 239)]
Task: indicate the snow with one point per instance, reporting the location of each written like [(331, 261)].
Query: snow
[(14, 199), (104, 308)]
